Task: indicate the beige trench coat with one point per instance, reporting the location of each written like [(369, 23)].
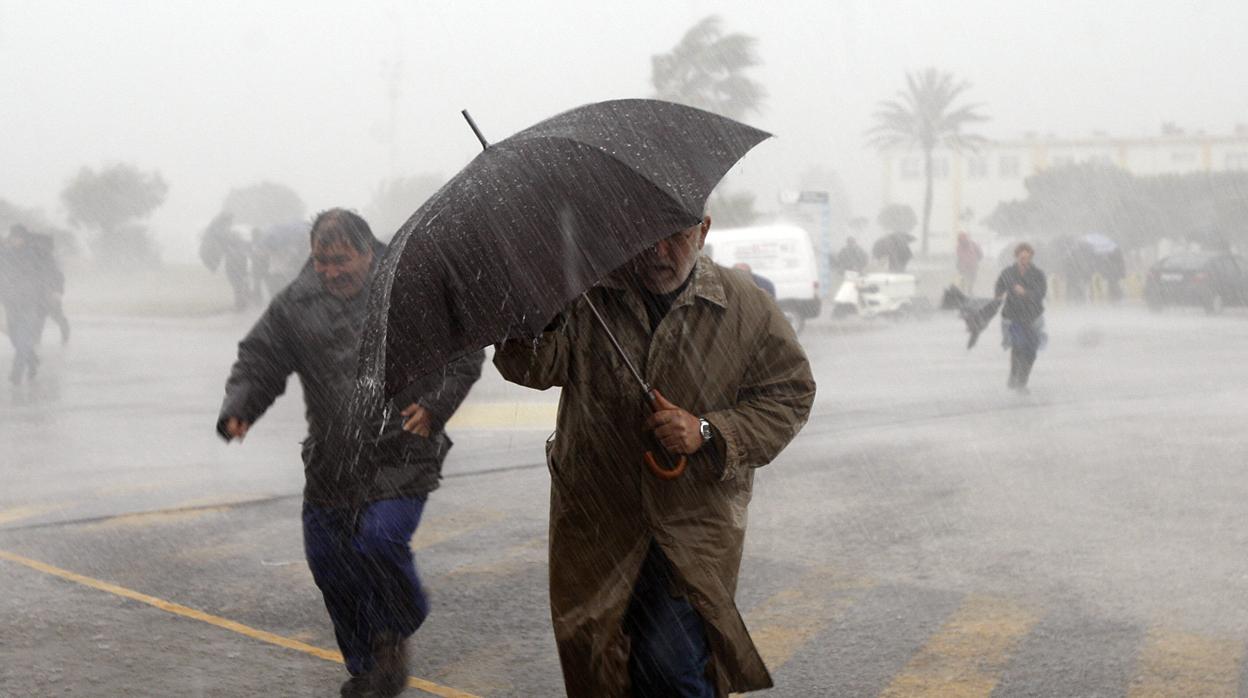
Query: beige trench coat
[(724, 352)]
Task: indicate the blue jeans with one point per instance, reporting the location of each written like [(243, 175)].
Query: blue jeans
[(668, 639), (366, 573)]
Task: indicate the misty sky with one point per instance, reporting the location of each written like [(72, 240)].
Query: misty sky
[(221, 94)]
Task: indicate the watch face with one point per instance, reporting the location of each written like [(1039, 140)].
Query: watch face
[(706, 430)]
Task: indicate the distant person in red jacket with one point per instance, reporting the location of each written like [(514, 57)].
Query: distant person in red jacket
[(969, 257)]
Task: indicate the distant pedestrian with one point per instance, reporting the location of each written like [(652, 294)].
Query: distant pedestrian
[(759, 280), (851, 257), (1022, 287), (30, 288), (895, 247), (220, 242), (969, 256), (366, 484)]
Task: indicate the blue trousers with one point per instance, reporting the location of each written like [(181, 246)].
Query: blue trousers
[(669, 651), (366, 573)]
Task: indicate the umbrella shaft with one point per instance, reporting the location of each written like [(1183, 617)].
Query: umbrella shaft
[(614, 342), (484, 144)]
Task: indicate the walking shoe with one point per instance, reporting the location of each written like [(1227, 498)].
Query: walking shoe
[(389, 674), (356, 687)]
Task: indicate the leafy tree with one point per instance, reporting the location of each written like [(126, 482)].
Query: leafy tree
[(707, 70), (924, 115), (112, 201), (396, 199), (1074, 200), (264, 204), (897, 218)]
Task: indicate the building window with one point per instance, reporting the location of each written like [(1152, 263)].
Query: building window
[(940, 168), (1101, 159), (1182, 157), (1008, 166), (910, 168), (1237, 160), (1062, 161), (976, 168)]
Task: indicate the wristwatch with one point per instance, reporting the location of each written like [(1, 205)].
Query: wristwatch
[(707, 432)]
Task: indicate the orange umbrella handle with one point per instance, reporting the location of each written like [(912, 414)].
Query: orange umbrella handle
[(665, 473)]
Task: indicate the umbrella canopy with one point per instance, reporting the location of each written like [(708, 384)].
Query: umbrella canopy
[(534, 221), (1100, 244)]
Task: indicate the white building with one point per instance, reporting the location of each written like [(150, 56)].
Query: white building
[(967, 187)]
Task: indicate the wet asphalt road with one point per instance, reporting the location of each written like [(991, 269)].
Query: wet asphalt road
[(929, 533)]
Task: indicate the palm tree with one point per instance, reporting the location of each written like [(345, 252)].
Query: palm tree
[(924, 115), (707, 70)]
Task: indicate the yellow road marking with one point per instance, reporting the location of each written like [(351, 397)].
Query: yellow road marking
[(453, 525), (129, 488), (784, 622), (147, 518), (969, 653), (26, 512), (505, 415), (1174, 663), (225, 623)]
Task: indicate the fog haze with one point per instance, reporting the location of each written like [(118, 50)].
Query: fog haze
[(220, 95)]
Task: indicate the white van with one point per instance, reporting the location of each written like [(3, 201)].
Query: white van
[(783, 254)]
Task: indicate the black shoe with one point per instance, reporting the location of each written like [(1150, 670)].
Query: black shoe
[(356, 687), (389, 675)]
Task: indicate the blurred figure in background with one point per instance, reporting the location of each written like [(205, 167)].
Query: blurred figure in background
[(31, 285), (759, 280), (220, 242), (851, 257), (969, 256), (895, 247), (1022, 287)]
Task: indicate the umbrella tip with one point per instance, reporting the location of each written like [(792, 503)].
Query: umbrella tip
[(484, 143)]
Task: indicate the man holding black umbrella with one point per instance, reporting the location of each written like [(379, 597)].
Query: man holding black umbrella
[(367, 478), (643, 569)]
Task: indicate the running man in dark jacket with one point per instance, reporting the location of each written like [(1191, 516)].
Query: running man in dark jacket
[(366, 484), (1022, 287)]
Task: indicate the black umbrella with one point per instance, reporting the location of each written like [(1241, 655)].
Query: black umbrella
[(534, 221)]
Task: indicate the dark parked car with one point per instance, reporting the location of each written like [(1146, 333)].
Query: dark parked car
[(1208, 279)]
